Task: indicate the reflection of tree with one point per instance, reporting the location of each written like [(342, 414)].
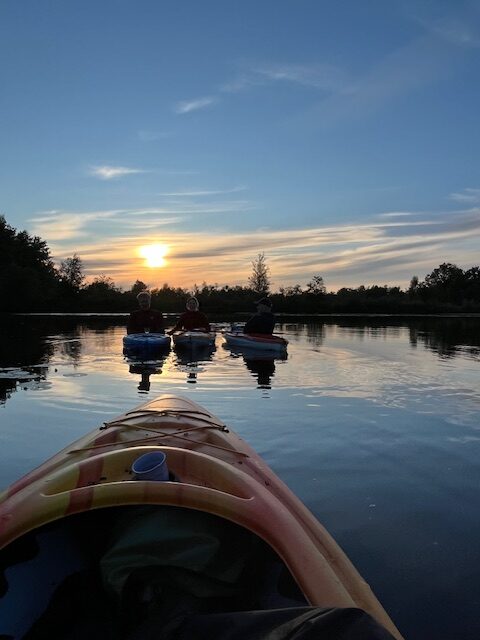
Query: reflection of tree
[(6, 388), (72, 349), (446, 336), (23, 344), (23, 348), (316, 333)]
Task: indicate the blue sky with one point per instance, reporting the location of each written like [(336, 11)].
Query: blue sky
[(339, 138)]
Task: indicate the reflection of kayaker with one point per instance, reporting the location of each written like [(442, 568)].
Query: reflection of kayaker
[(263, 369), (164, 523), (145, 372)]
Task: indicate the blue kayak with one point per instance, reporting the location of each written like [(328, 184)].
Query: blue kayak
[(146, 341)]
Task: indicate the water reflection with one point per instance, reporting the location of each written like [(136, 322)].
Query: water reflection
[(345, 342), (191, 358), (448, 338), (11, 378), (261, 368), (145, 371), (24, 355), (261, 364), (146, 352), (387, 409)]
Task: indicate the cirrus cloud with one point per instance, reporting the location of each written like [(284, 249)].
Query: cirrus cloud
[(107, 172)]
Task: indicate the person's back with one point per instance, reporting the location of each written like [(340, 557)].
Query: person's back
[(263, 322), (145, 319), (192, 319)]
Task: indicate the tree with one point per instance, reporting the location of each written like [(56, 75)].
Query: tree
[(317, 286), (472, 277), (259, 281), (288, 292), (138, 286), (414, 285), (446, 283), (71, 272), (26, 266), (102, 283)]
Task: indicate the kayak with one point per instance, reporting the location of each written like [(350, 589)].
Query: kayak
[(165, 517), (145, 342), (193, 338), (255, 341)]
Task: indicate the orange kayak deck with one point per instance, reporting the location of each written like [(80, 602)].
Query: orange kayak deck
[(217, 472)]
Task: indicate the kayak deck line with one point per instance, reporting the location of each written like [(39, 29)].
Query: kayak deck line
[(167, 413), (162, 434)]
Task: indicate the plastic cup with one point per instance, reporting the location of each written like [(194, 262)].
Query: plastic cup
[(151, 466)]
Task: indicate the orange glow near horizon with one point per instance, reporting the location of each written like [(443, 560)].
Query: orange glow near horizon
[(154, 254)]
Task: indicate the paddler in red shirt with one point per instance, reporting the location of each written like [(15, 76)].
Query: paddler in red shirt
[(192, 319)]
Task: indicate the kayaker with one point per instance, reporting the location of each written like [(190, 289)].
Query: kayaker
[(263, 321), (192, 319), (145, 319)]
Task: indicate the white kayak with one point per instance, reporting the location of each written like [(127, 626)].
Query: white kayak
[(256, 341), (193, 338)]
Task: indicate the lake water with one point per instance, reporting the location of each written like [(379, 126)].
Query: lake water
[(373, 422)]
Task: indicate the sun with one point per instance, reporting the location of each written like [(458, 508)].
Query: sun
[(154, 254)]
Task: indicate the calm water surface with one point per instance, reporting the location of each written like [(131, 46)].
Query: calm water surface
[(373, 422)]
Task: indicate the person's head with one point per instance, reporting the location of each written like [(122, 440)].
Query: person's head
[(144, 300), (192, 304), (263, 305)]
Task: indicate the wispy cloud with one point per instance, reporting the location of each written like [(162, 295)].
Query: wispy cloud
[(387, 250), (192, 193), (319, 76), (467, 195), (107, 172), (458, 24), (150, 136), (423, 60), (457, 33), (187, 106), (426, 59), (64, 225), (396, 214), (67, 226)]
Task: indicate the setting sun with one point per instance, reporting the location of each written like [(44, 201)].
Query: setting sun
[(154, 254)]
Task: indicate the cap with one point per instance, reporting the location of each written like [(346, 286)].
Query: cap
[(265, 301)]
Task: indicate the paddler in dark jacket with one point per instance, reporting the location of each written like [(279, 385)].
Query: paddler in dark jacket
[(263, 321), (192, 319), (145, 320)]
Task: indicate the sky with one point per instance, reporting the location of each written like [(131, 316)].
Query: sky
[(339, 138)]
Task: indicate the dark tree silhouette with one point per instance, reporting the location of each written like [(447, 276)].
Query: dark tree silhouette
[(30, 282), (260, 281), (316, 286), (138, 286), (71, 272)]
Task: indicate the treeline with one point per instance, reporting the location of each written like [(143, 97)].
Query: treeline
[(31, 282)]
